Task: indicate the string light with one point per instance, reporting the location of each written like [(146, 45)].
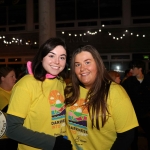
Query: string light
[(19, 41)]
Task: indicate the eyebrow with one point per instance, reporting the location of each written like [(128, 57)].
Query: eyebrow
[(84, 60), (60, 55)]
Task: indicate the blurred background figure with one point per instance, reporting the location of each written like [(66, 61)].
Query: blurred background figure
[(7, 81), (148, 73), (127, 74), (115, 76), (138, 88)]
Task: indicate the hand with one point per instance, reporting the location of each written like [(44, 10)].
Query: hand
[(62, 144)]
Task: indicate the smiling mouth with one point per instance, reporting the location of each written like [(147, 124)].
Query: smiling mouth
[(55, 67), (84, 74)]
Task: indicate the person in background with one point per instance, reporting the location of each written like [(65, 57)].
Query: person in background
[(127, 74), (148, 73), (7, 81), (99, 113), (138, 89), (115, 76), (36, 112)]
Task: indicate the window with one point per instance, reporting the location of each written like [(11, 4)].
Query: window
[(140, 8), (110, 8), (65, 10), (87, 9)]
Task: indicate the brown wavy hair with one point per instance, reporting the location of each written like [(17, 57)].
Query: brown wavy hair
[(113, 74), (96, 98)]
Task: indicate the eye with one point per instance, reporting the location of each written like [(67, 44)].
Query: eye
[(87, 62), (77, 64), (63, 57), (51, 56)]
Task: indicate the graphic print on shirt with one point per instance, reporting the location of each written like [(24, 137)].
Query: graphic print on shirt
[(57, 110), (78, 121)]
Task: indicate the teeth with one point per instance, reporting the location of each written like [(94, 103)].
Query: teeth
[(84, 74), (55, 67)]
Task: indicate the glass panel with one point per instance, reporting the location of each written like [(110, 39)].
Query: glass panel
[(60, 25), (17, 13), (138, 21), (111, 22), (14, 59), (18, 28), (87, 9), (120, 57), (141, 56), (92, 23), (140, 8), (65, 10), (104, 57), (119, 67), (2, 59), (3, 16), (110, 8)]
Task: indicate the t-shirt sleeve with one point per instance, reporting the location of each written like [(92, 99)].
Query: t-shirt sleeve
[(20, 102), (122, 110), (3, 102)]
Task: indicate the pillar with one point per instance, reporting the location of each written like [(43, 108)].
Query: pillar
[(47, 22)]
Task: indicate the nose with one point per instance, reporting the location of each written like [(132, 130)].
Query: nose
[(15, 79), (56, 60), (82, 67)]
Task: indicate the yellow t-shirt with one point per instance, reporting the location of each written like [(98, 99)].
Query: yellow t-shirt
[(41, 104), (4, 98), (121, 118)]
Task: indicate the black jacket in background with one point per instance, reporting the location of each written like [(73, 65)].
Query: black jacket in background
[(139, 94)]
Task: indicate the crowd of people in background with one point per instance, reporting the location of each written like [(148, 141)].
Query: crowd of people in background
[(99, 106)]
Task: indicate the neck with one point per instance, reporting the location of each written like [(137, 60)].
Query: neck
[(4, 87), (140, 76)]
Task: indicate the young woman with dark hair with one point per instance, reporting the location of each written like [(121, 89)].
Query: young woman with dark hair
[(36, 113)]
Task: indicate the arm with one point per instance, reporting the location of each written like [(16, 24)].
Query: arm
[(123, 140), (16, 131)]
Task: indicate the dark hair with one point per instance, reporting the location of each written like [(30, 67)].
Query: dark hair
[(138, 64), (38, 71), (126, 72), (4, 71), (97, 95)]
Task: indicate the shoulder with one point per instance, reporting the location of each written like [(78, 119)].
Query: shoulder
[(27, 80), (117, 89)]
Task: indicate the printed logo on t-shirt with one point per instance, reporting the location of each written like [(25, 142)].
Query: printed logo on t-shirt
[(57, 109), (78, 121)]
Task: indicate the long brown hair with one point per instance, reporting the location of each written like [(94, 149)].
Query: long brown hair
[(97, 95)]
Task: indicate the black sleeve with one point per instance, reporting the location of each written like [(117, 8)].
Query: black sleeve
[(16, 131), (123, 140), (5, 109)]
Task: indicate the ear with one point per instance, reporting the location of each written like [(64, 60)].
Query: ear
[(2, 78), (140, 69)]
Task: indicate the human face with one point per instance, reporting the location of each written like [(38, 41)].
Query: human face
[(85, 69), (129, 74), (136, 71), (9, 80), (117, 80), (54, 62)]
